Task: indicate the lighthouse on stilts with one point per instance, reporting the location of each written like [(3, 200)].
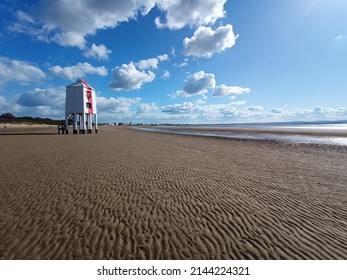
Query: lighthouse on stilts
[(80, 108)]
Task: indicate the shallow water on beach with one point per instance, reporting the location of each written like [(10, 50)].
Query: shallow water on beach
[(295, 137)]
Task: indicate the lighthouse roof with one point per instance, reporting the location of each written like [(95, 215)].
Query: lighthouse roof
[(80, 83)]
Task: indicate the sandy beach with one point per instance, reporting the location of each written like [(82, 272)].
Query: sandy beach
[(126, 194)]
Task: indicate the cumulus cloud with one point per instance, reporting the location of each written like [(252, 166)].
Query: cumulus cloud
[(239, 103), (192, 107), (200, 82), (43, 97), (276, 111), (206, 41), (163, 57), (68, 23), (147, 64), (218, 112), (224, 113), (99, 52), (197, 83), (166, 75), (255, 108), (27, 24), (78, 71), (7, 106), (117, 108), (147, 109), (185, 107), (45, 103), (133, 75), (181, 13), (79, 18), (322, 113), (128, 77), (151, 62), (230, 91), (69, 39), (200, 112), (118, 105), (19, 71)]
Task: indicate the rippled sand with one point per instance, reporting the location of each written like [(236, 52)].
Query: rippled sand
[(125, 194)]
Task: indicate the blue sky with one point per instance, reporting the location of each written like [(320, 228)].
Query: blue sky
[(176, 61)]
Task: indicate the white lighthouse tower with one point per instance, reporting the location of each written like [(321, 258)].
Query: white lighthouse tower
[(80, 108)]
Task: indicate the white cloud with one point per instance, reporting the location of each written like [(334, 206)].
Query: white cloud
[(128, 77), (340, 45), (276, 111), (6, 106), (180, 13), (185, 107), (166, 75), (183, 64), (229, 91), (69, 39), (147, 109), (117, 108), (133, 75), (200, 101), (68, 23), (116, 105), (321, 112), (218, 112), (173, 51), (78, 71), (197, 83), (151, 62), (206, 41), (199, 109), (97, 51), (239, 103), (28, 25), (255, 108), (199, 112), (340, 38), (200, 82), (79, 18), (147, 64), (19, 71), (163, 57), (45, 103), (50, 97), (24, 17)]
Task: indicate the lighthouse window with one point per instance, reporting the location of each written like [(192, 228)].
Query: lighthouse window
[(89, 105)]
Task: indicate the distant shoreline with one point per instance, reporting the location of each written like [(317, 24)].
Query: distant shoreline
[(289, 134)]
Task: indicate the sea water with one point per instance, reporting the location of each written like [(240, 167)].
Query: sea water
[(264, 132)]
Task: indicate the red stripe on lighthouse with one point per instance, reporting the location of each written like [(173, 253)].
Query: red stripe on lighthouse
[(90, 100), (89, 96)]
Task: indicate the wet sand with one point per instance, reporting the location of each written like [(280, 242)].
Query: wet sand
[(125, 194), (328, 131)]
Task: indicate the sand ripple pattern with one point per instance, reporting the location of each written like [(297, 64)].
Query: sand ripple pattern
[(125, 194)]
